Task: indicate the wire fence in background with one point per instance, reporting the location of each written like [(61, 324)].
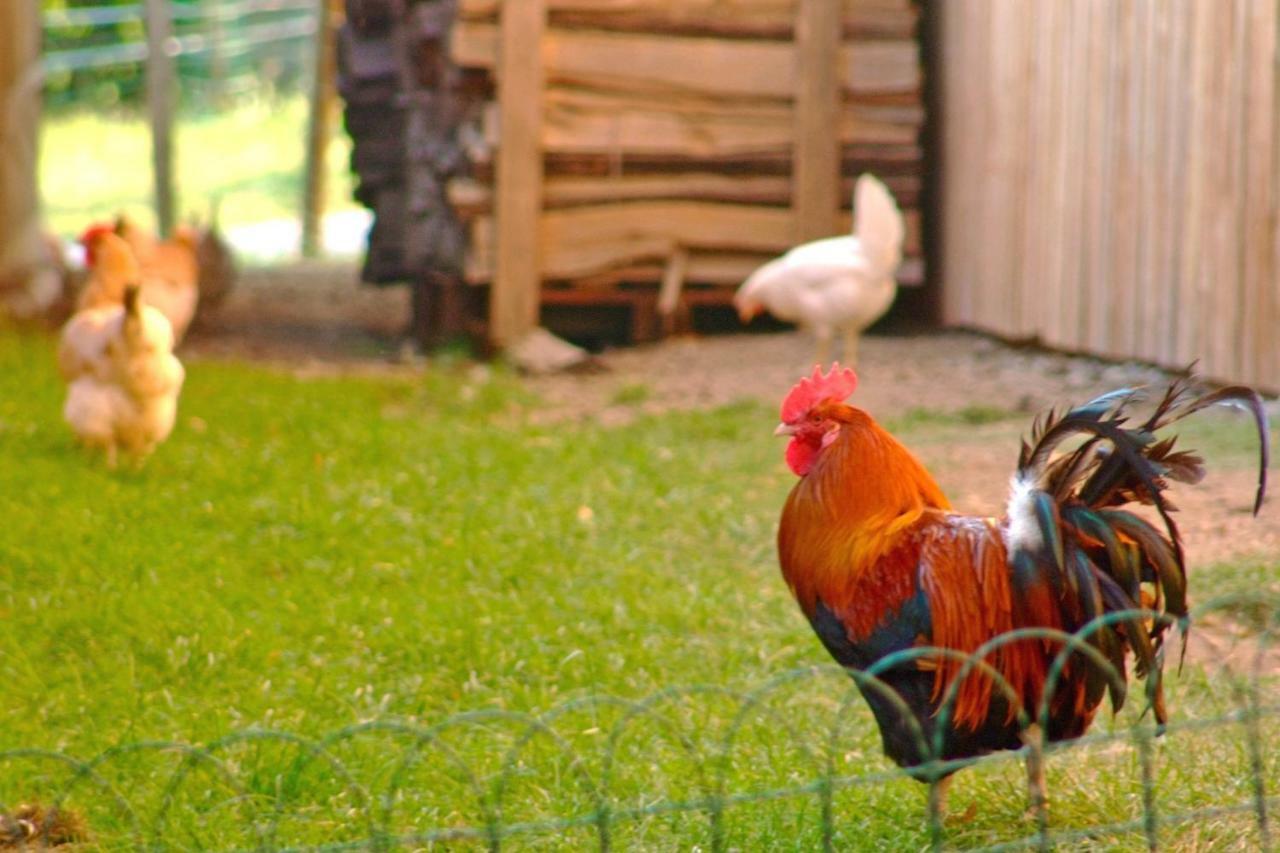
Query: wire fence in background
[(97, 55), (179, 61), (791, 762)]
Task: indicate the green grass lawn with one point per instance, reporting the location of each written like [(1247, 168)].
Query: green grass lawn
[(251, 158), (364, 559)]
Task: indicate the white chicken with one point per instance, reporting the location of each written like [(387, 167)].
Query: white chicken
[(839, 283), (123, 377)]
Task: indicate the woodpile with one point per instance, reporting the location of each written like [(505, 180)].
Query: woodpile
[(623, 145), (369, 79), (667, 127)]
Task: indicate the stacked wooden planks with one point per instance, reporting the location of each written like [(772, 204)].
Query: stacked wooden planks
[(665, 132)]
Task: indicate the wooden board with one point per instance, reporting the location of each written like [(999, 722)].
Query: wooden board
[(887, 161), (578, 121), (469, 197), (161, 86), (719, 270), (20, 236), (1110, 178), (730, 68), (513, 302), (815, 149), (760, 18), (578, 241), (1258, 332)]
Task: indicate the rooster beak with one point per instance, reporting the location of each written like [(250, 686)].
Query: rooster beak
[(784, 429)]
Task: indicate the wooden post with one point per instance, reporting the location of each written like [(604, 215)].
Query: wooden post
[(213, 15), (20, 241), (160, 102), (517, 282), (319, 129), (815, 169), (673, 276)]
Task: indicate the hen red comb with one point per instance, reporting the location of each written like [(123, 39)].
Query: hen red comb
[(90, 236), (836, 384), (94, 231)]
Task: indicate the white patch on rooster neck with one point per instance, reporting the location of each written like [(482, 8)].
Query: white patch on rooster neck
[(1023, 531)]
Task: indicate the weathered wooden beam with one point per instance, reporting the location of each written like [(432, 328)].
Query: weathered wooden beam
[(517, 279), (578, 241), (161, 97), (816, 144), (885, 160), (320, 126), (470, 197), (20, 243), (611, 122), (733, 18), (723, 271), (673, 277), (733, 68)]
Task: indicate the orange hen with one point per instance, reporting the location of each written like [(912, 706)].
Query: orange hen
[(167, 271)]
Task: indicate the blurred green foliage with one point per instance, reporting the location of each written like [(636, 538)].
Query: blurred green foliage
[(231, 50)]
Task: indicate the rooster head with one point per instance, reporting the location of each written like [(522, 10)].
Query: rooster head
[(811, 414)]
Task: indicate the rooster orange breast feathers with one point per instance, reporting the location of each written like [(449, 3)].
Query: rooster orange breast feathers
[(879, 563)]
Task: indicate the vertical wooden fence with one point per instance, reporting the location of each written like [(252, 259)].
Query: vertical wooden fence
[(1109, 177)]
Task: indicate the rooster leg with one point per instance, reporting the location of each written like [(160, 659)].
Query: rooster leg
[(851, 347), (1037, 790), (938, 798), (112, 455)]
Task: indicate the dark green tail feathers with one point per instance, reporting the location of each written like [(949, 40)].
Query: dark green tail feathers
[(1070, 528)]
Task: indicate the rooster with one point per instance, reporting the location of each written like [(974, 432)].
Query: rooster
[(839, 283), (880, 564), (123, 379)]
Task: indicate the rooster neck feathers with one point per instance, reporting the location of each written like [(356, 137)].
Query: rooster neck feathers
[(862, 493)]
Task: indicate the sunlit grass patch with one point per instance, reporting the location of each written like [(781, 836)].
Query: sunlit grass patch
[(250, 160), (401, 606)]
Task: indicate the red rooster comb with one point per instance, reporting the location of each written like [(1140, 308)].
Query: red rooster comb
[(836, 384)]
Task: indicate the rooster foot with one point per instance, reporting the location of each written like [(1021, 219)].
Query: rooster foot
[(1037, 788), (1037, 813), (938, 792)]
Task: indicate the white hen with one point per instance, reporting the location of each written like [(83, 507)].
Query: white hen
[(124, 379), (844, 283)]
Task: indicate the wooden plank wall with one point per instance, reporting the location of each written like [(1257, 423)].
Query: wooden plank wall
[(1109, 178)]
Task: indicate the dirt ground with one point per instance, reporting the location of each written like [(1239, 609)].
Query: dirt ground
[(316, 319)]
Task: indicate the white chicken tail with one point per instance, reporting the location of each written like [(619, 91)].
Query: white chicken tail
[(877, 223)]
